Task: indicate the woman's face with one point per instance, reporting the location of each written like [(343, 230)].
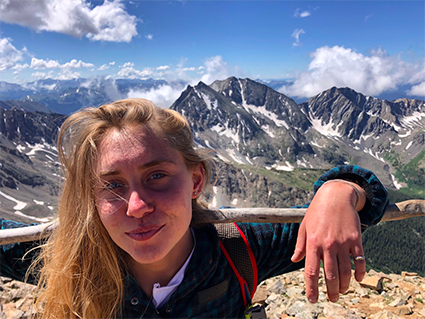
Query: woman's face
[(144, 194)]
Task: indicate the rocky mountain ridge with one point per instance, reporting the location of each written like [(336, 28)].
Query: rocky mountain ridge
[(378, 296), (248, 123), (261, 138)]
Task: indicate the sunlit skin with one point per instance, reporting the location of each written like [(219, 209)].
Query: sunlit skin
[(143, 196), (330, 231)]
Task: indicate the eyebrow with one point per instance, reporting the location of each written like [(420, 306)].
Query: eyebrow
[(143, 166)]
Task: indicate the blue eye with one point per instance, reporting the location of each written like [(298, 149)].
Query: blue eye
[(112, 185), (157, 176)]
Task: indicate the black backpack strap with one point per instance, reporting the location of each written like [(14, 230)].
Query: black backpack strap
[(239, 251)]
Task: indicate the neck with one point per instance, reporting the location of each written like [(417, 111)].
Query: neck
[(165, 269)]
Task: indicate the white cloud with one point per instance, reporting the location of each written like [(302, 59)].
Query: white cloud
[(217, 69), (74, 64), (132, 73), (54, 64), (9, 55), (112, 63), (39, 75), (19, 67), (127, 65), (163, 96), (368, 17), (417, 90), (149, 36), (44, 64), (301, 14), (163, 67), (67, 75), (296, 35), (106, 22), (214, 68), (341, 67), (103, 67)]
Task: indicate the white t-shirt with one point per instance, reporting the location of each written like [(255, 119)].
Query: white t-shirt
[(160, 295)]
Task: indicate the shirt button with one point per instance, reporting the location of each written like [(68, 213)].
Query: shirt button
[(134, 301), (168, 310), (210, 261)]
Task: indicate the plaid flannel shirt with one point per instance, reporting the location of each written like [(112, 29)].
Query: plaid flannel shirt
[(210, 288)]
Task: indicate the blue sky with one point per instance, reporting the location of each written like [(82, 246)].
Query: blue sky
[(370, 46)]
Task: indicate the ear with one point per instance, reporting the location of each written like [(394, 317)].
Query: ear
[(198, 178)]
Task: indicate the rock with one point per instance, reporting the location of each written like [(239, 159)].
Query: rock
[(402, 297), (372, 282), (278, 288), (398, 302), (407, 274), (385, 315), (303, 310)]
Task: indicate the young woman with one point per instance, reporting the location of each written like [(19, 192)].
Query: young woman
[(125, 247)]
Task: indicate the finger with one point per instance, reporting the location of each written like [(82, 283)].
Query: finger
[(359, 262), (344, 272), (311, 275), (300, 247), (331, 271)]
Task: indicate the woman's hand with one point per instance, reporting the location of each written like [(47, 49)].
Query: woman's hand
[(330, 231)]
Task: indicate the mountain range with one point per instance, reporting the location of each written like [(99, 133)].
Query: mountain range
[(269, 149)]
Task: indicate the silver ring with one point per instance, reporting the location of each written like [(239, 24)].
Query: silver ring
[(359, 258)]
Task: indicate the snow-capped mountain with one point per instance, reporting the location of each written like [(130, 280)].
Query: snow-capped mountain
[(251, 124), (269, 148)]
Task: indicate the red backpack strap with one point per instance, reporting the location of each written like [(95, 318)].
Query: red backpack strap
[(235, 247)]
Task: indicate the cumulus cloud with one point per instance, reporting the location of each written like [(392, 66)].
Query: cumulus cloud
[(39, 75), (163, 96), (132, 73), (103, 67), (38, 64), (9, 55), (74, 64), (215, 68), (296, 35), (127, 65), (20, 67), (163, 67), (68, 75), (417, 90), (44, 64), (301, 14), (149, 36), (342, 67), (106, 22)]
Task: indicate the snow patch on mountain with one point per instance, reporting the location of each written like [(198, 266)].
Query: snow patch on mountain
[(413, 120), (19, 204), (226, 131), (325, 129)]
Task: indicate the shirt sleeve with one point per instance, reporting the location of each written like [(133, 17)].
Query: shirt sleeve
[(273, 244), (14, 262)]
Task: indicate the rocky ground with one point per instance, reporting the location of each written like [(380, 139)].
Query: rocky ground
[(378, 296)]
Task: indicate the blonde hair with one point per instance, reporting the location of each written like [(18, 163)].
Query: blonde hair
[(82, 270)]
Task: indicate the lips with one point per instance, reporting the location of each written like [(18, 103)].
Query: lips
[(144, 233)]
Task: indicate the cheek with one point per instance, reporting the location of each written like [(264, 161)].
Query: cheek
[(109, 214)]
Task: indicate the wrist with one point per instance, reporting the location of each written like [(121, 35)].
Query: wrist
[(358, 194)]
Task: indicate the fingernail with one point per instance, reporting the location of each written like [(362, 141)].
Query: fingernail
[(312, 299)]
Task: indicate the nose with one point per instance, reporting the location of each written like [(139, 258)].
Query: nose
[(139, 204)]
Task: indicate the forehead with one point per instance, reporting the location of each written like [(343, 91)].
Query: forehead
[(133, 145)]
